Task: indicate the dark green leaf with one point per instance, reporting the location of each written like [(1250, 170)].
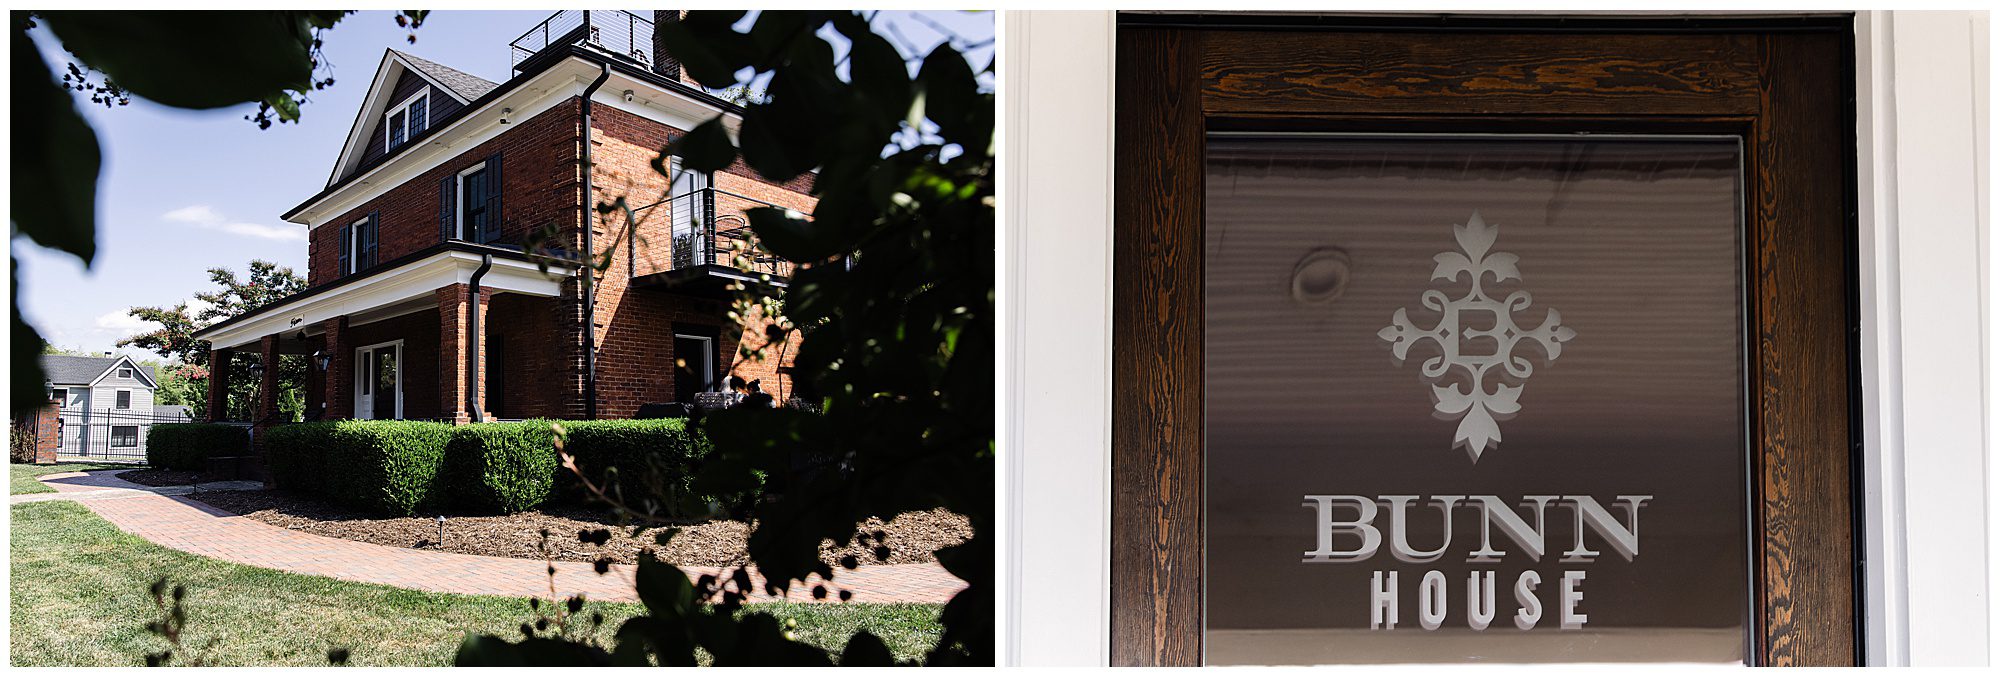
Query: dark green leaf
[(877, 70), (951, 95), (195, 59), (705, 149), (664, 589), (865, 649), (793, 238), (700, 48), (55, 162), (27, 389), (766, 146)]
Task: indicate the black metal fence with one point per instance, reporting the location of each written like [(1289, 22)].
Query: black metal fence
[(117, 435)]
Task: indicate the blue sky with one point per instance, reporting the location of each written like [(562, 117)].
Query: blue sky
[(184, 191)]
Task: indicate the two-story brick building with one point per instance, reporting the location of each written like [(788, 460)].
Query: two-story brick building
[(449, 263)]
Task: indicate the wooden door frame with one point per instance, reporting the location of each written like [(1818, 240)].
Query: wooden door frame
[(1768, 80)]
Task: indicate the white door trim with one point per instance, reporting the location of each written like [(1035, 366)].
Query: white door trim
[(365, 410), (708, 359)]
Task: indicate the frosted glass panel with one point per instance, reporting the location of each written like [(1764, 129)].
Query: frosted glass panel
[(1534, 340)]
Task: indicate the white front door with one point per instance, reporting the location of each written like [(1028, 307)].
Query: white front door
[(378, 381)]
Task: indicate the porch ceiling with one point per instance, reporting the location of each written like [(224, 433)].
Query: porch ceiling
[(384, 292)]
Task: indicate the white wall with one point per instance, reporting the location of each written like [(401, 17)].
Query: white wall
[(1922, 77), (1924, 254), (1055, 303)]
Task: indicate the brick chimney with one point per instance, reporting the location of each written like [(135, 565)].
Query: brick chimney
[(663, 63)]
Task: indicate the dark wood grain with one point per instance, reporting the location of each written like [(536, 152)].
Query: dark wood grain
[(1299, 71), (1788, 93), (1156, 424), (1799, 261)]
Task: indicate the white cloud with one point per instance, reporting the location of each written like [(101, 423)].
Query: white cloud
[(204, 216), (123, 322), (285, 232)]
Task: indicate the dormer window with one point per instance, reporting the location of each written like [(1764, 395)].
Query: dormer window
[(407, 119)]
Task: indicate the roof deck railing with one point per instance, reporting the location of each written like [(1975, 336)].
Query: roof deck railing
[(612, 31)]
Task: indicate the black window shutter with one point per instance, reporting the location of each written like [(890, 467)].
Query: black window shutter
[(368, 239), (346, 248), (490, 228), (447, 197)]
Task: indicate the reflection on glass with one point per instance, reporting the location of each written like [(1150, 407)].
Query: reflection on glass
[(385, 380), (1474, 399)]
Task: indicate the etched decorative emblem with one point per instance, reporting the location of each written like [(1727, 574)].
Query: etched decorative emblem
[(1478, 398)]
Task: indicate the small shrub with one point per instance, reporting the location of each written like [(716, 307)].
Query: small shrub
[(653, 457), (385, 466), (501, 468), (20, 445), (296, 455), (187, 446)]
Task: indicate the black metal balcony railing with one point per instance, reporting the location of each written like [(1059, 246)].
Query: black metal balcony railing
[(702, 228), (612, 31)]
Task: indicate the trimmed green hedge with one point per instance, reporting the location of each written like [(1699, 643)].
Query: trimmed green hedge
[(385, 466), (399, 467), (187, 446), (652, 457), (500, 467)]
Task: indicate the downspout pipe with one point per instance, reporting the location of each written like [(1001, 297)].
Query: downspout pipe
[(472, 361), (590, 255)]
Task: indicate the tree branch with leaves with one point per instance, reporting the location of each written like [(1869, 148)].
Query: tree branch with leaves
[(196, 60)]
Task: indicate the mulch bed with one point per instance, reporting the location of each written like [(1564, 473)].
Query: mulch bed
[(161, 478), (911, 537)]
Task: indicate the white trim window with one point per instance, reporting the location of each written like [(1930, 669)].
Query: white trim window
[(124, 372), (475, 207), (406, 120), (357, 242), (124, 399)]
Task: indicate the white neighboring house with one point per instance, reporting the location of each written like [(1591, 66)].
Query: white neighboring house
[(105, 403)]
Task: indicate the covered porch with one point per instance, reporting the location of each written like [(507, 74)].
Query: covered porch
[(426, 337)]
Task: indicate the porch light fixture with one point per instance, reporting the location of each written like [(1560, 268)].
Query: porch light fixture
[(256, 369), (321, 359)]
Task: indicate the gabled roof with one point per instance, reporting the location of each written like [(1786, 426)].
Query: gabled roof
[(549, 59), (458, 84), (74, 370), (466, 85)]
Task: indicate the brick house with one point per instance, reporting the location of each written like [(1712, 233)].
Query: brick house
[(445, 259)]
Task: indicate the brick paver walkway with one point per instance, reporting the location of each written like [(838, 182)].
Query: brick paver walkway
[(169, 517)]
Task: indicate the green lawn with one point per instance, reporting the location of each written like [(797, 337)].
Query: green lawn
[(21, 476), (79, 599)]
